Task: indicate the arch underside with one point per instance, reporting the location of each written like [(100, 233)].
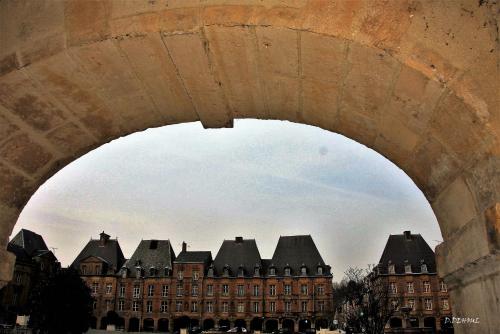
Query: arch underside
[(417, 81)]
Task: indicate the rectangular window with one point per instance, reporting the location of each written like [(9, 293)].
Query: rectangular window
[(411, 303), (210, 307), (84, 270), (121, 305), (137, 291), (135, 306), (427, 286), (288, 289), (321, 290), (241, 290), (164, 306), (321, 306), (180, 274), (256, 307), (225, 307), (194, 290), (392, 269), (151, 290), (409, 287), (18, 278), (196, 275), (164, 291), (149, 306), (255, 290), (194, 306), (97, 270), (445, 304), (272, 307), (428, 304), (304, 306), (241, 307), (122, 290), (443, 287), (272, 290), (210, 290), (288, 307), (303, 289), (225, 289), (393, 288), (179, 290), (109, 288), (178, 306), (95, 287)]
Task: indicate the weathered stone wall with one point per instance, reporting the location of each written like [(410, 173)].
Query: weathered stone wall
[(416, 81)]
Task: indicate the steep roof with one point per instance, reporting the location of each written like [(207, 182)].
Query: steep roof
[(29, 241), (407, 247), (194, 257), (108, 249), (236, 253), (296, 251), (152, 253), (19, 252)]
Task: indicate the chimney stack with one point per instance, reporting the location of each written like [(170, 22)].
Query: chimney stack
[(103, 237), (407, 235), (184, 246), (238, 240)]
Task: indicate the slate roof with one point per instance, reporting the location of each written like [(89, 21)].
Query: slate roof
[(152, 253), (110, 251), (19, 252), (194, 257), (30, 241), (236, 253), (407, 247), (296, 251)]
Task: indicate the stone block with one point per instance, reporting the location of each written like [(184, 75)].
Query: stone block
[(25, 153), (454, 207), (71, 139), (236, 60), (87, 21), (191, 56), (16, 188), (25, 100)]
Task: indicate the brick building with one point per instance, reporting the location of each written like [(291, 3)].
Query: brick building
[(409, 266), (34, 263), (156, 291)]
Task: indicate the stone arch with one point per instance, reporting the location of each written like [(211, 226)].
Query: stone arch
[(75, 75)]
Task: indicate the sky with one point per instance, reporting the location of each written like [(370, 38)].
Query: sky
[(259, 180)]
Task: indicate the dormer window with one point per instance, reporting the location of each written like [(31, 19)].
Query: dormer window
[(84, 270), (210, 271), (303, 270), (288, 271), (97, 270), (152, 271), (272, 271), (423, 267), (226, 270), (124, 272), (320, 270), (241, 271), (256, 271), (407, 268), (138, 272), (167, 271), (392, 269)]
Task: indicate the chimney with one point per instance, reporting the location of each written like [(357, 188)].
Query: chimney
[(407, 235), (238, 240), (184, 246), (103, 237)]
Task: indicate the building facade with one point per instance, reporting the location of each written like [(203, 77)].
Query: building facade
[(421, 298), (34, 263), (156, 291)]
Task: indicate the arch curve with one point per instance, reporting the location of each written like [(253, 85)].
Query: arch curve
[(77, 74)]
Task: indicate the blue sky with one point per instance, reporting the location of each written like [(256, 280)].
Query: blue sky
[(261, 179)]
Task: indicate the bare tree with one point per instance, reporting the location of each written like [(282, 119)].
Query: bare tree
[(363, 299)]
